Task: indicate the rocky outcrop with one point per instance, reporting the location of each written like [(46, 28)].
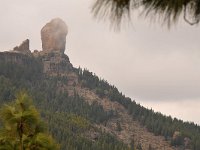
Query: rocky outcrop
[(23, 48), (14, 58), (56, 64), (176, 135), (53, 36)]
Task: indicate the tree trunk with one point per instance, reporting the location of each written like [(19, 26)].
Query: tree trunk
[(21, 135)]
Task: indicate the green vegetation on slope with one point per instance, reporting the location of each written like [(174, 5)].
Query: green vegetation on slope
[(70, 119), (155, 122)]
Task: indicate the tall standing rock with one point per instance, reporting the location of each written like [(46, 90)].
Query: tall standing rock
[(53, 36)]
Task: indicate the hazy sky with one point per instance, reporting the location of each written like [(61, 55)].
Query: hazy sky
[(157, 67)]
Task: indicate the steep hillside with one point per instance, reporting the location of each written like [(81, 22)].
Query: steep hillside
[(82, 111), (78, 93), (124, 127), (180, 135), (71, 120)]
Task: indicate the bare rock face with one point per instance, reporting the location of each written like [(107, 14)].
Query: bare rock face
[(23, 48), (176, 135), (53, 36)]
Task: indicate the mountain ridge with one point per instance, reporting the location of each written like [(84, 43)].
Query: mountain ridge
[(60, 88)]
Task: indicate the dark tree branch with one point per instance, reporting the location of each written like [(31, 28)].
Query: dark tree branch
[(187, 20)]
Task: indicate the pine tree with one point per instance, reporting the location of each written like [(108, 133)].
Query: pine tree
[(132, 145), (139, 146), (22, 127)]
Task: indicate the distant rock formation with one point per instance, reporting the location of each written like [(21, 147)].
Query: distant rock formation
[(53, 36), (56, 64), (54, 61), (23, 48)]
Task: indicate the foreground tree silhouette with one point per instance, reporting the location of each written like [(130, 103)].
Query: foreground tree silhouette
[(22, 128), (167, 10)]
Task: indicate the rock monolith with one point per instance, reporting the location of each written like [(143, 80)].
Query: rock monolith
[(53, 36)]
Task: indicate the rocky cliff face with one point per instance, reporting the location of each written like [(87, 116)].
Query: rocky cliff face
[(23, 48), (13, 58), (56, 64), (53, 36), (20, 54)]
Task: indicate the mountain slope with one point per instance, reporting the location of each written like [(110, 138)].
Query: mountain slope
[(70, 119), (129, 129), (105, 117), (82, 111)]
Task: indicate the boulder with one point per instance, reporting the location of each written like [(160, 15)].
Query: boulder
[(53, 36)]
